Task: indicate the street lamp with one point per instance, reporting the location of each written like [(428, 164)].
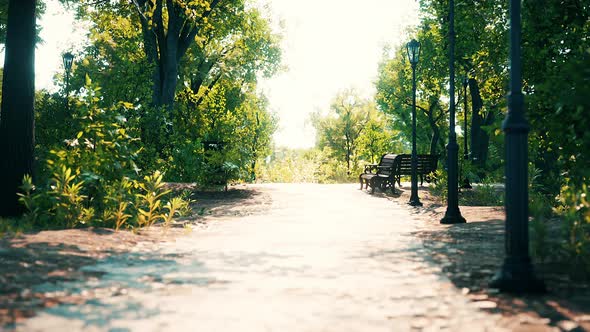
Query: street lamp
[(68, 58), (413, 48), (452, 215), (516, 274), (466, 184)]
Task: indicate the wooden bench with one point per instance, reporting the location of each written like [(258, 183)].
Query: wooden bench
[(425, 167), (379, 174), (392, 167)]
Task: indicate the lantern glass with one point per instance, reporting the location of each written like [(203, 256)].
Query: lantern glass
[(68, 59), (413, 48)]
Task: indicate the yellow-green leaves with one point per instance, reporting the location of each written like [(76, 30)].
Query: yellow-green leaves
[(150, 199)]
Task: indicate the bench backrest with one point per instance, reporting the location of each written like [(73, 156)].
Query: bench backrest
[(426, 163), (386, 164)]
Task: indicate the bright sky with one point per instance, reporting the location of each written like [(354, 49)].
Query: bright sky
[(60, 33), (328, 46)]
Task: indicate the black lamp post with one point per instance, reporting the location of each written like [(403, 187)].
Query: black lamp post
[(517, 274), (413, 48), (466, 184), (68, 58), (452, 215)]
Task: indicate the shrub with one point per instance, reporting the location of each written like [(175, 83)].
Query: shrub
[(92, 179), (440, 186), (485, 193), (575, 212)]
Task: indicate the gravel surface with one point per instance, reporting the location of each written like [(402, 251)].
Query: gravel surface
[(288, 257)]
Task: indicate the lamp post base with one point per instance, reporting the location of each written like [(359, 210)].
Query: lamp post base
[(453, 217), (517, 276), (415, 202), (466, 184)]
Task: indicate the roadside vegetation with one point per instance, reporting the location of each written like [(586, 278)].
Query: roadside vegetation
[(166, 91), (136, 111), (556, 84)]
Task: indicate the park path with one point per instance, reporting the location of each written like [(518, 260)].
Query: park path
[(322, 258)]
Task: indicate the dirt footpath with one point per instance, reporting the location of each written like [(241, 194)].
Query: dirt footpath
[(278, 257)]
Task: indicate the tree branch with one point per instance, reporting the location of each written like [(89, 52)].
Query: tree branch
[(206, 94), (143, 19)]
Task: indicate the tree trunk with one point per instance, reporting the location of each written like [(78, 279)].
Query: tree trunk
[(166, 41), (478, 135), (17, 119), (348, 161), (255, 151), (168, 80), (545, 162), (435, 130), (434, 140), (170, 58)]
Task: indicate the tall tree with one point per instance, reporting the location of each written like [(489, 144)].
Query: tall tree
[(556, 72), (169, 28), (341, 128), (3, 19), (394, 92), (17, 110), (378, 138)]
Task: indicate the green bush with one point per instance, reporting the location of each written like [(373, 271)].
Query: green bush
[(291, 166), (440, 186), (93, 179), (185, 163), (485, 193), (305, 166), (540, 211), (575, 213)]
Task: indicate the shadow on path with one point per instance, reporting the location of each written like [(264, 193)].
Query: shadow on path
[(69, 284), (470, 254), (26, 267)]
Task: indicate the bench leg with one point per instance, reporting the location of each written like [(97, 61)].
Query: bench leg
[(361, 181), (373, 184)]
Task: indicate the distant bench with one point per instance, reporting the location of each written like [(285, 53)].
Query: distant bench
[(392, 167)]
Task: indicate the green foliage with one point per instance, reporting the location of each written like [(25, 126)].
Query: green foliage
[(292, 166), (485, 193), (118, 203), (66, 193), (305, 166), (440, 186), (28, 200), (395, 96), (540, 210), (149, 200), (14, 226), (39, 11), (92, 178), (555, 54), (213, 90), (177, 206), (575, 212), (469, 171), (332, 170), (185, 161), (353, 132)]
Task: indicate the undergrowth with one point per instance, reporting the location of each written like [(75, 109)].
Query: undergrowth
[(92, 179)]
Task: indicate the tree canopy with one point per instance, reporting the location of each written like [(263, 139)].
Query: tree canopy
[(171, 76)]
